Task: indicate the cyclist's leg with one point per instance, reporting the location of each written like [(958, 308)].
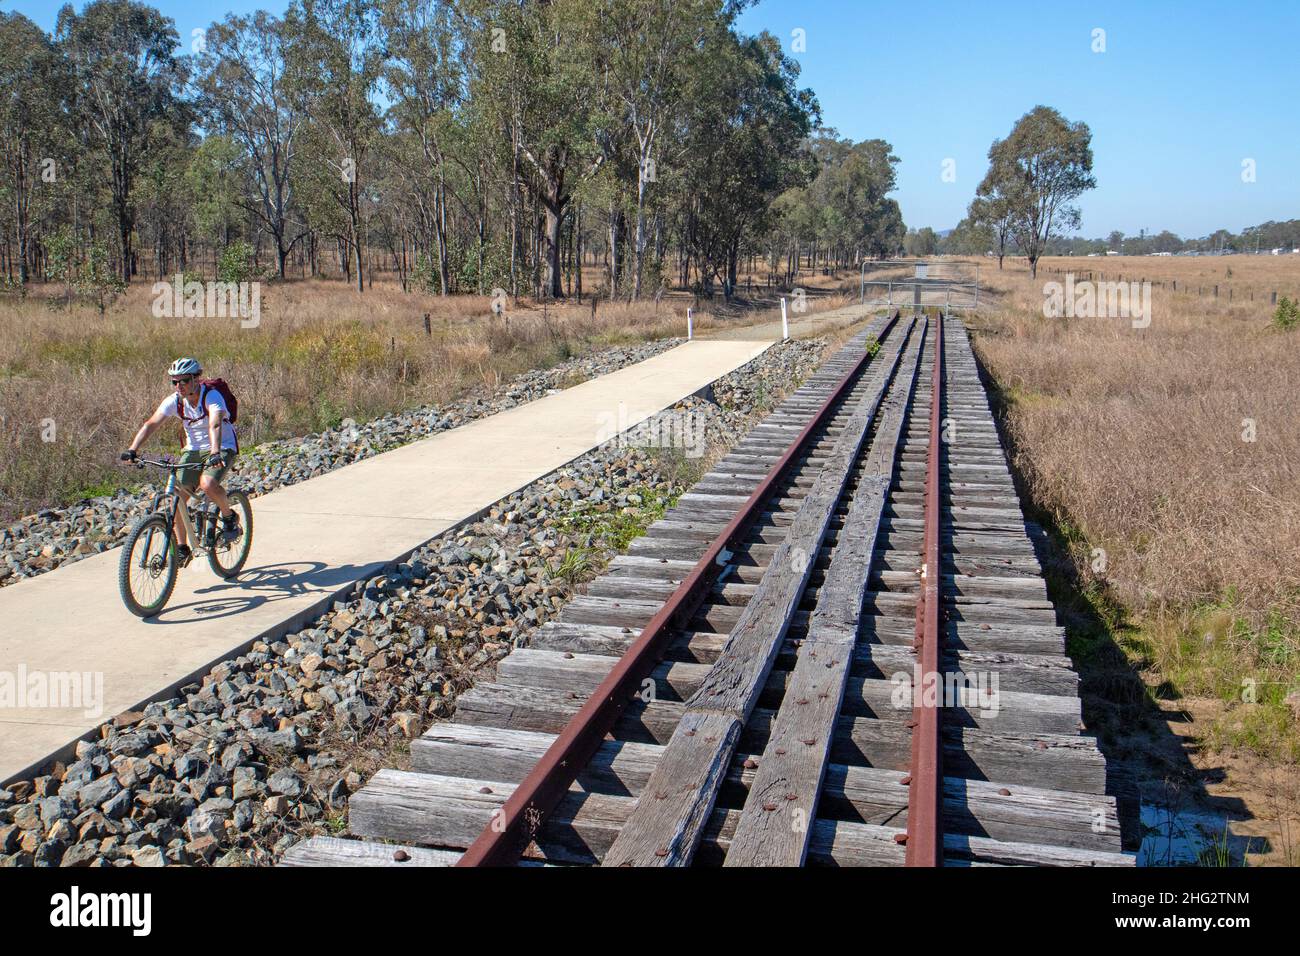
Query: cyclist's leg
[(210, 482), (178, 526), (186, 481)]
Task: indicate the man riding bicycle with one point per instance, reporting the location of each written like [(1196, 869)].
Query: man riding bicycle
[(210, 445)]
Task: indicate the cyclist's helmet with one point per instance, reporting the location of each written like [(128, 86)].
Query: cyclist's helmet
[(185, 366)]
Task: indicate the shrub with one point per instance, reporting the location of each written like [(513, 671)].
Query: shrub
[(236, 263), (1287, 314), (91, 279)]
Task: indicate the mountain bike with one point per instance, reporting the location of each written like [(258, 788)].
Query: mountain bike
[(150, 559)]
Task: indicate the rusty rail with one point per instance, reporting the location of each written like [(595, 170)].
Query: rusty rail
[(924, 821), (513, 826)]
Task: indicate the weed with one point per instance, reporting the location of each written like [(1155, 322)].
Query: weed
[(577, 565), (1287, 314)]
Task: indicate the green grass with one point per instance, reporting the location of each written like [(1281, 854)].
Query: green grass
[(615, 530), (599, 531), (107, 486), (578, 565)]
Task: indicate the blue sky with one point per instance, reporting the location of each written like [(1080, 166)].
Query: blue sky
[(1184, 92)]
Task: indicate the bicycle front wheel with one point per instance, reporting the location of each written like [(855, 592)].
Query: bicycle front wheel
[(227, 557), (146, 572)]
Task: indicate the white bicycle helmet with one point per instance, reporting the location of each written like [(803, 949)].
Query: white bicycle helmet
[(185, 366)]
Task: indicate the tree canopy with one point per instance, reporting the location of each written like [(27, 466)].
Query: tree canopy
[(465, 146)]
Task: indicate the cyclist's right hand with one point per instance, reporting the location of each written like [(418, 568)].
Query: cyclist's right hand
[(128, 455)]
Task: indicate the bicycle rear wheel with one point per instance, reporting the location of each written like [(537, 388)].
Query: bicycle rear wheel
[(227, 557), (146, 572)]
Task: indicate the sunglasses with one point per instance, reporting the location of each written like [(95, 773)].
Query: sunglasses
[(182, 381)]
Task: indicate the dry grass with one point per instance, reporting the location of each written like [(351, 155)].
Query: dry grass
[(321, 352), (1133, 440)]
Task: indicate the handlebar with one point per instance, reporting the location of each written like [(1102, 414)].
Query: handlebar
[(140, 462)]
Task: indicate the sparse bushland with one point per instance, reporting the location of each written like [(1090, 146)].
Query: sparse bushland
[(75, 385), (321, 353), (1165, 459)]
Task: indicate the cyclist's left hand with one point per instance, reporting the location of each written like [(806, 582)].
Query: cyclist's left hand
[(213, 461)]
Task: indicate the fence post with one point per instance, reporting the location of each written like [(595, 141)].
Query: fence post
[(690, 330), (1216, 290), (785, 321), (1273, 301)]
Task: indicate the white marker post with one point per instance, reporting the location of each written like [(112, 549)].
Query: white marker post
[(690, 329), (785, 321)]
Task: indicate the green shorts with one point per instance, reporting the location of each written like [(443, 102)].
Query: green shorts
[(188, 478)]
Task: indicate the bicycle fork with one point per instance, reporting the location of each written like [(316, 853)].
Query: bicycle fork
[(191, 534)]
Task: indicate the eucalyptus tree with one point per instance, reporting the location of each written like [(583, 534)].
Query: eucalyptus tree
[(649, 49), (243, 93), (126, 75), (534, 77), (425, 76), (1037, 171), (216, 180), (850, 194), (747, 123), (334, 61), (33, 87), (993, 211)]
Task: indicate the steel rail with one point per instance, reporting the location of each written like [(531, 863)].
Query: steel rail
[(924, 842), (514, 824)]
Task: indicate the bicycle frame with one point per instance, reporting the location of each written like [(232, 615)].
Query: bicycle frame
[(178, 500)]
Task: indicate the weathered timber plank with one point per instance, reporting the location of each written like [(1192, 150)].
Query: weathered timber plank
[(447, 812), (332, 851), (862, 794), (1065, 762)]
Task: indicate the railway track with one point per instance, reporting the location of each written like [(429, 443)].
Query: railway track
[(836, 649)]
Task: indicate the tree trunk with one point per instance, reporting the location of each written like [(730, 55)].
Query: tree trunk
[(577, 240), (354, 225), (514, 222), (553, 285), (440, 200), (124, 232), (615, 228), (638, 248)]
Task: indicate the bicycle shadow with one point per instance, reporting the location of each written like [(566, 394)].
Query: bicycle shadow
[(264, 585)]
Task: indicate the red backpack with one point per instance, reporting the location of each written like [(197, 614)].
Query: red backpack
[(222, 389)]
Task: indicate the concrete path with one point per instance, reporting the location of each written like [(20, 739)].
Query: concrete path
[(311, 541), (801, 324)]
